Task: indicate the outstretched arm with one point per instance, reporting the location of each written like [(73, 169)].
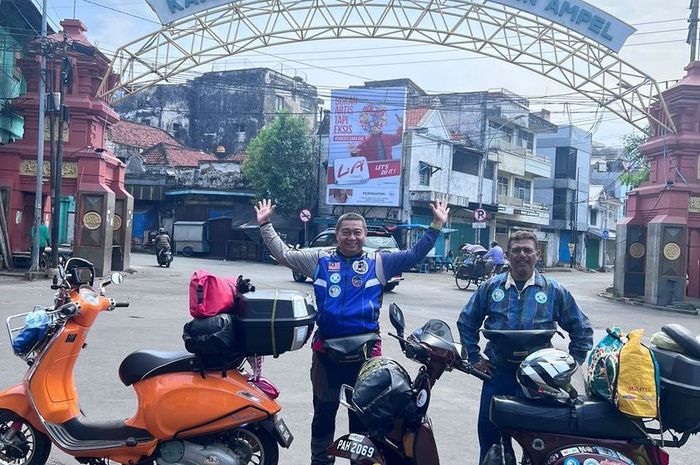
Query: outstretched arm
[(302, 261), (391, 264)]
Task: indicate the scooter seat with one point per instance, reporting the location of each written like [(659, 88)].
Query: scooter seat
[(587, 418), (147, 363)]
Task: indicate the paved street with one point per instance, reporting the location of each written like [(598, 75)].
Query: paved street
[(159, 309)]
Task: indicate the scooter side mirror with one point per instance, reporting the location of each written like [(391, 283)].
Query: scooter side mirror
[(397, 319), (117, 278)]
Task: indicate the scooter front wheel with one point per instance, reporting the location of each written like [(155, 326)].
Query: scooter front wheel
[(253, 446), (20, 442)]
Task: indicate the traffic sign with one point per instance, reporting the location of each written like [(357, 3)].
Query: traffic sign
[(480, 215), (606, 234), (305, 215), (479, 225)]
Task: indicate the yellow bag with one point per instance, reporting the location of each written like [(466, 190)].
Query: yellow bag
[(637, 392)]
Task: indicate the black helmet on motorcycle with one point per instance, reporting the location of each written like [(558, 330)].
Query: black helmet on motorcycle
[(79, 271), (546, 374), (161, 230), (383, 393)]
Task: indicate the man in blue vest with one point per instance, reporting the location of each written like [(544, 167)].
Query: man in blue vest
[(348, 285)]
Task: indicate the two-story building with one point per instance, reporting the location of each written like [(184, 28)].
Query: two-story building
[(604, 212)]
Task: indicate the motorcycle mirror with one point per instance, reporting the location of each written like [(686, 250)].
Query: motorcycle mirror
[(117, 278), (397, 319), (346, 393)]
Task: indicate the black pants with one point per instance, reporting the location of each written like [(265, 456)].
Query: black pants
[(326, 377), (503, 383)]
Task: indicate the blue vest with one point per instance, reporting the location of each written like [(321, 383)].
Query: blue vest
[(348, 295)]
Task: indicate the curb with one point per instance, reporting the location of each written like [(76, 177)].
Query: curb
[(664, 308)]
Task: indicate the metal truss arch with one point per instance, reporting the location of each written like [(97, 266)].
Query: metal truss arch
[(491, 30)]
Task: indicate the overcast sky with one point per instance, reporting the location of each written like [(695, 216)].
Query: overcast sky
[(657, 48)]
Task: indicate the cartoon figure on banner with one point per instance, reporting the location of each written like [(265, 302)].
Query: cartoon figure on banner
[(376, 146), (339, 195)]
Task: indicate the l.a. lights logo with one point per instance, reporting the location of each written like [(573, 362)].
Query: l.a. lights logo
[(351, 170)]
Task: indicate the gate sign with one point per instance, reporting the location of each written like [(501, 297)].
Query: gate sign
[(305, 215), (579, 16), (480, 215)]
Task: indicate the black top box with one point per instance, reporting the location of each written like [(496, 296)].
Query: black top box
[(271, 322)]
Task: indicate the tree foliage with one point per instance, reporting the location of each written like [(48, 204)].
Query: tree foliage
[(639, 166), (280, 164)]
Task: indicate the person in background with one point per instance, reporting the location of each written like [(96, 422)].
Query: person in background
[(520, 299), (495, 259)]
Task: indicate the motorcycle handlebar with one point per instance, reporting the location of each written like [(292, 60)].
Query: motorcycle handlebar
[(121, 304), (468, 368)]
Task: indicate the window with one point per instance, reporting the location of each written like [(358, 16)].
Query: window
[(425, 172), (522, 188), (465, 162), (280, 102), (565, 164), (563, 203), (594, 217), (489, 170), (526, 139), (325, 240), (503, 186)]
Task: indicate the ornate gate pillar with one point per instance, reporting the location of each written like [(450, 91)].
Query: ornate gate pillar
[(654, 253)]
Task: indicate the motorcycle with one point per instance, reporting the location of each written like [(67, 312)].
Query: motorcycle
[(164, 257), (185, 416), (400, 431), (589, 431)]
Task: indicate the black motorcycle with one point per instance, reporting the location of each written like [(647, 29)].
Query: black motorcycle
[(164, 257)]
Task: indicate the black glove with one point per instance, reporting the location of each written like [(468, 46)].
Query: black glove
[(243, 285)]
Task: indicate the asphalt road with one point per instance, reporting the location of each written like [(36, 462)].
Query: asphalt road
[(159, 308)]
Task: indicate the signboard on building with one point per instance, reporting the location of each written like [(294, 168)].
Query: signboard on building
[(579, 16), (365, 147)]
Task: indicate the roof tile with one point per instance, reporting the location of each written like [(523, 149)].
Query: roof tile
[(139, 135)]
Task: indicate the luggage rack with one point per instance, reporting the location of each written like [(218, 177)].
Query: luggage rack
[(16, 323)]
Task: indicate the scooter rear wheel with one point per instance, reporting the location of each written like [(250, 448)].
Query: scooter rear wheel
[(256, 445), (26, 445)]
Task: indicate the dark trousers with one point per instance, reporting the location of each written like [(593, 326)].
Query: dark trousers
[(503, 383), (326, 377)]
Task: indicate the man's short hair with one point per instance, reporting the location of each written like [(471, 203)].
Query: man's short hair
[(350, 217), (523, 236)]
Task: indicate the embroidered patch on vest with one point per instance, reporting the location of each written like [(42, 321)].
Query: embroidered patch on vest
[(335, 278), (357, 281), (541, 297), (333, 266), (360, 267), (498, 295), (334, 291)]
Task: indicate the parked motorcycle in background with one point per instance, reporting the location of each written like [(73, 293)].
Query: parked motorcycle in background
[(393, 408)]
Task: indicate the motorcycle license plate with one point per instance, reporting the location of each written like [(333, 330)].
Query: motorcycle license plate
[(283, 434), (357, 448)]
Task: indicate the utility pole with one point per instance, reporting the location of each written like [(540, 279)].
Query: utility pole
[(574, 221), (40, 143), (693, 29), (62, 118)]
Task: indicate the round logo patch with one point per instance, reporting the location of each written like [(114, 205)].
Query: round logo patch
[(357, 281), (541, 297), (498, 295), (591, 462), (571, 461), (334, 291), (335, 278), (360, 267)]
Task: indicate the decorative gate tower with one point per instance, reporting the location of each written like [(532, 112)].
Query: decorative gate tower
[(90, 173), (659, 239)]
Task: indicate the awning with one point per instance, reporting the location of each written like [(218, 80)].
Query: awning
[(599, 233), (207, 192), (411, 226)]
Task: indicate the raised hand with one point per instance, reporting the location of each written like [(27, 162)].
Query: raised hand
[(264, 211), (440, 212)]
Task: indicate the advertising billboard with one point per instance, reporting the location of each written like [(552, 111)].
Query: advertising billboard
[(365, 146)]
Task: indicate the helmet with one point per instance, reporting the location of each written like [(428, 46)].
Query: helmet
[(161, 230), (546, 374), (383, 393)]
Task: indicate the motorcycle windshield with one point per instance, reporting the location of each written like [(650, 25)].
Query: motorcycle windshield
[(437, 334)]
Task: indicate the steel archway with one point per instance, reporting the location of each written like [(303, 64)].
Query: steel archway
[(491, 30)]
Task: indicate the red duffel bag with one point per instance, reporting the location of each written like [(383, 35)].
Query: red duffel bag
[(211, 295)]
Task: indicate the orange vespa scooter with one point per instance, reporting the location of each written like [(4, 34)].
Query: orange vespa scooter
[(185, 416)]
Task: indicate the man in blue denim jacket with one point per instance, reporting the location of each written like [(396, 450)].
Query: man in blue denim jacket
[(520, 299)]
